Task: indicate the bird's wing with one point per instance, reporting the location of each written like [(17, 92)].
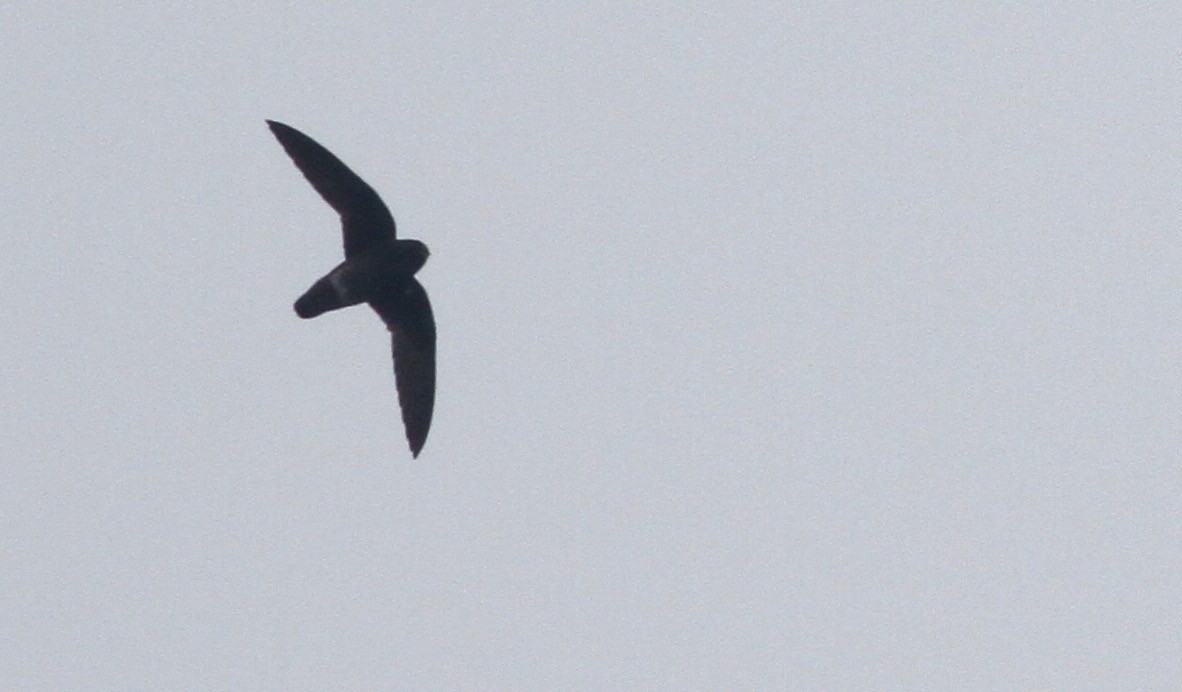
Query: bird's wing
[(407, 313), (364, 217)]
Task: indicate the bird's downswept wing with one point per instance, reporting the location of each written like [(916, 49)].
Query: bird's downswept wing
[(365, 220), (407, 313)]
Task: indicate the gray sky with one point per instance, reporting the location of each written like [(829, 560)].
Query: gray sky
[(778, 344)]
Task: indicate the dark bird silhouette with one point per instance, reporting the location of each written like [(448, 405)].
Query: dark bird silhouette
[(378, 269)]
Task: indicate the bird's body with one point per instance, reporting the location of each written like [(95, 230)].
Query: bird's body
[(379, 270), (370, 273)]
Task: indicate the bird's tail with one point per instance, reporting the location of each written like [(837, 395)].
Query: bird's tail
[(322, 297)]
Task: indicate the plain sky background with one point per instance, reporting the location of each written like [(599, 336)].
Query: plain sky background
[(797, 344)]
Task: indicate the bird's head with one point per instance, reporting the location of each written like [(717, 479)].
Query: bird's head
[(414, 253)]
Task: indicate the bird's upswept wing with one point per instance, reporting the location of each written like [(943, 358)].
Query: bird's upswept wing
[(407, 313), (364, 217)]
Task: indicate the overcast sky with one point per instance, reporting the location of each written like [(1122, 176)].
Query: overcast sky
[(779, 345)]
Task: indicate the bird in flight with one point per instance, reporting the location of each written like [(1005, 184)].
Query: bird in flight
[(379, 269)]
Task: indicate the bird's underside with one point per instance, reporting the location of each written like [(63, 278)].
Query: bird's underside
[(379, 270)]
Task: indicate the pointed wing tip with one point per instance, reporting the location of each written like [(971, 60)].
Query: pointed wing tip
[(416, 437), (279, 129)]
